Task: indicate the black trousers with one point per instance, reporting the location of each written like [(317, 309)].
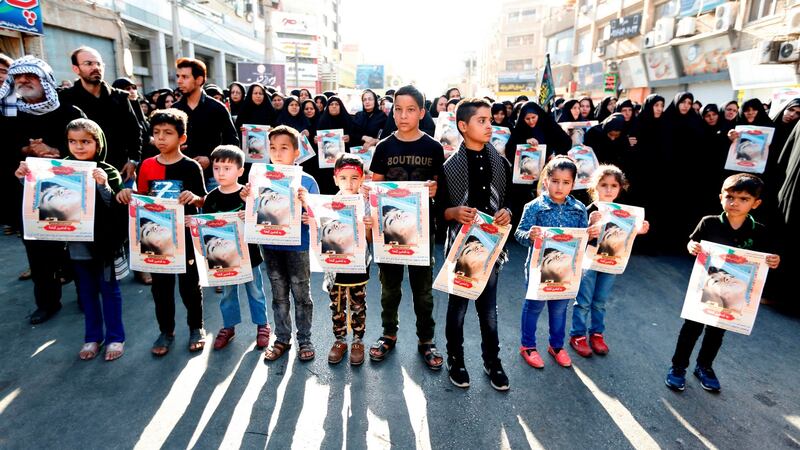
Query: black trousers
[(163, 289), (46, 259), (688, 336)]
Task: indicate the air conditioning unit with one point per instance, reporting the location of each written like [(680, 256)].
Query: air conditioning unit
[(600, 50), (725, 16), (612, 67), (650, 39), (789, 51), (793, 20), (665, 30), (686, 27), (767, 52)]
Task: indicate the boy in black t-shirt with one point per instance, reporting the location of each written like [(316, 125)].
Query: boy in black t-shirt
[(408, 154), (735, 227), (171, 174), (228, 165)]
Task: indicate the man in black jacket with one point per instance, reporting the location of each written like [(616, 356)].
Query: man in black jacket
[(108, 107)]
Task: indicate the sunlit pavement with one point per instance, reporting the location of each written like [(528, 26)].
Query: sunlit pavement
[(231, 398)]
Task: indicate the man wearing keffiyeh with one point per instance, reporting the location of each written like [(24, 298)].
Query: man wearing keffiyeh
[(34, 124)]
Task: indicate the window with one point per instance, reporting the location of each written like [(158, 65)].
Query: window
[(584, 42), (522, 39), (517, 65), (666, 10), (513, 16), (528, 14), (760, 9), (325, 20)]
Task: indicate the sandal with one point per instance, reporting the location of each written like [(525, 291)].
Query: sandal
[(356, 353), (89, 351), (337, 352), (25, 275), (277, 350), (162, 344), (306, 352), (197, 339), (429, 354), (381, 348), (115, 350)]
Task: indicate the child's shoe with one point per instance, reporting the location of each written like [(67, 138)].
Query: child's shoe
[(337, 352), (676, 379), (458, 373), (561, 357), (224, 336), (532, 357), (581, 347), (708, 379), (598, 344), (262, 336), (497, 376)]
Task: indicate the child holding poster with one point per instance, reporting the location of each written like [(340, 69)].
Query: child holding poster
[(605, 185), (172, 166), (735, 227), (288, 266), (94, 261), (554, 208), (470, 179), (408, 155), (348, 289), (228, 165)]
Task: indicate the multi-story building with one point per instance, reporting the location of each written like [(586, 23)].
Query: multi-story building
[(321, 36)]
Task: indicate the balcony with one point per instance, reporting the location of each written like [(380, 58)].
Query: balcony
[(559, 22)]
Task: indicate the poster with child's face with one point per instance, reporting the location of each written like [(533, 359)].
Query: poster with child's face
[(255, 143), (306, 150), (555, 263), (400, 222), (447, 134), (337, 233), (528, 163), (157, 240), (330, 146), (500, 137), (273, 210), (725, 287), (749, 153), (577, 130), (59, 200), (222, 256), (471, 258), (619, 225), (587, 163), (366, 156)]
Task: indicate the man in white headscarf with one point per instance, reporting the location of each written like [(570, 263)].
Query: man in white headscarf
[(34, 123)]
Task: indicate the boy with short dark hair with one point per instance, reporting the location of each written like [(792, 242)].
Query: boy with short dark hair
[(288, 266), (475, 178), (171, 174), (408, 154), (735, 227), (228, 165)]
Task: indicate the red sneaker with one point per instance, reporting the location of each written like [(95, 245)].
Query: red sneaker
[(562, 358), (580, 345), (532, 357), (224, 336), (598, 344), (262, 336)]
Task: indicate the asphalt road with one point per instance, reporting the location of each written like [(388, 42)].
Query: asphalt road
[(231, 398)]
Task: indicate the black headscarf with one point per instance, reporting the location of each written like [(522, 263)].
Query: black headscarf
[(627, 103), (250, 113), (161, 102), (343, 121), (499, 107), (370, 123), (432, 111), (762, 118), (566, 116), (591, 108), (323, 99), (236, 106), (711, 107), (782, 130), (601, 112), (546, 131), (608, 151), (298, 122)]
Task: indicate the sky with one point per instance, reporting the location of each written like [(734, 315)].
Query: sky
[(424, 41)]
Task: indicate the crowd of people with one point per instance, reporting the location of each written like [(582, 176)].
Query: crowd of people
[(667, 156)]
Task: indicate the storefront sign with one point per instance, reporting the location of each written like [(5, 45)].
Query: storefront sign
[(267, 74), (625, 27), (516, 82), (706, 56), (21, 15), (745, 74), (611, 82), (590, 76), (661, 64), (369, 76), (284, 22), (632, 73), (694, 7)]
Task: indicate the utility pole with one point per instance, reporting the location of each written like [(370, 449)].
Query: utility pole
[(296, 67), (177, 46), (267, 7)]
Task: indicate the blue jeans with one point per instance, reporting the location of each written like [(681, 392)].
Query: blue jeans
[(91, 285), (486, 307), (592, 295), (231, 315), (290, 272), (557, 312)]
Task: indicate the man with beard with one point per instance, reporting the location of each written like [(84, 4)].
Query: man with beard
[(107, 106), (34, 123)]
